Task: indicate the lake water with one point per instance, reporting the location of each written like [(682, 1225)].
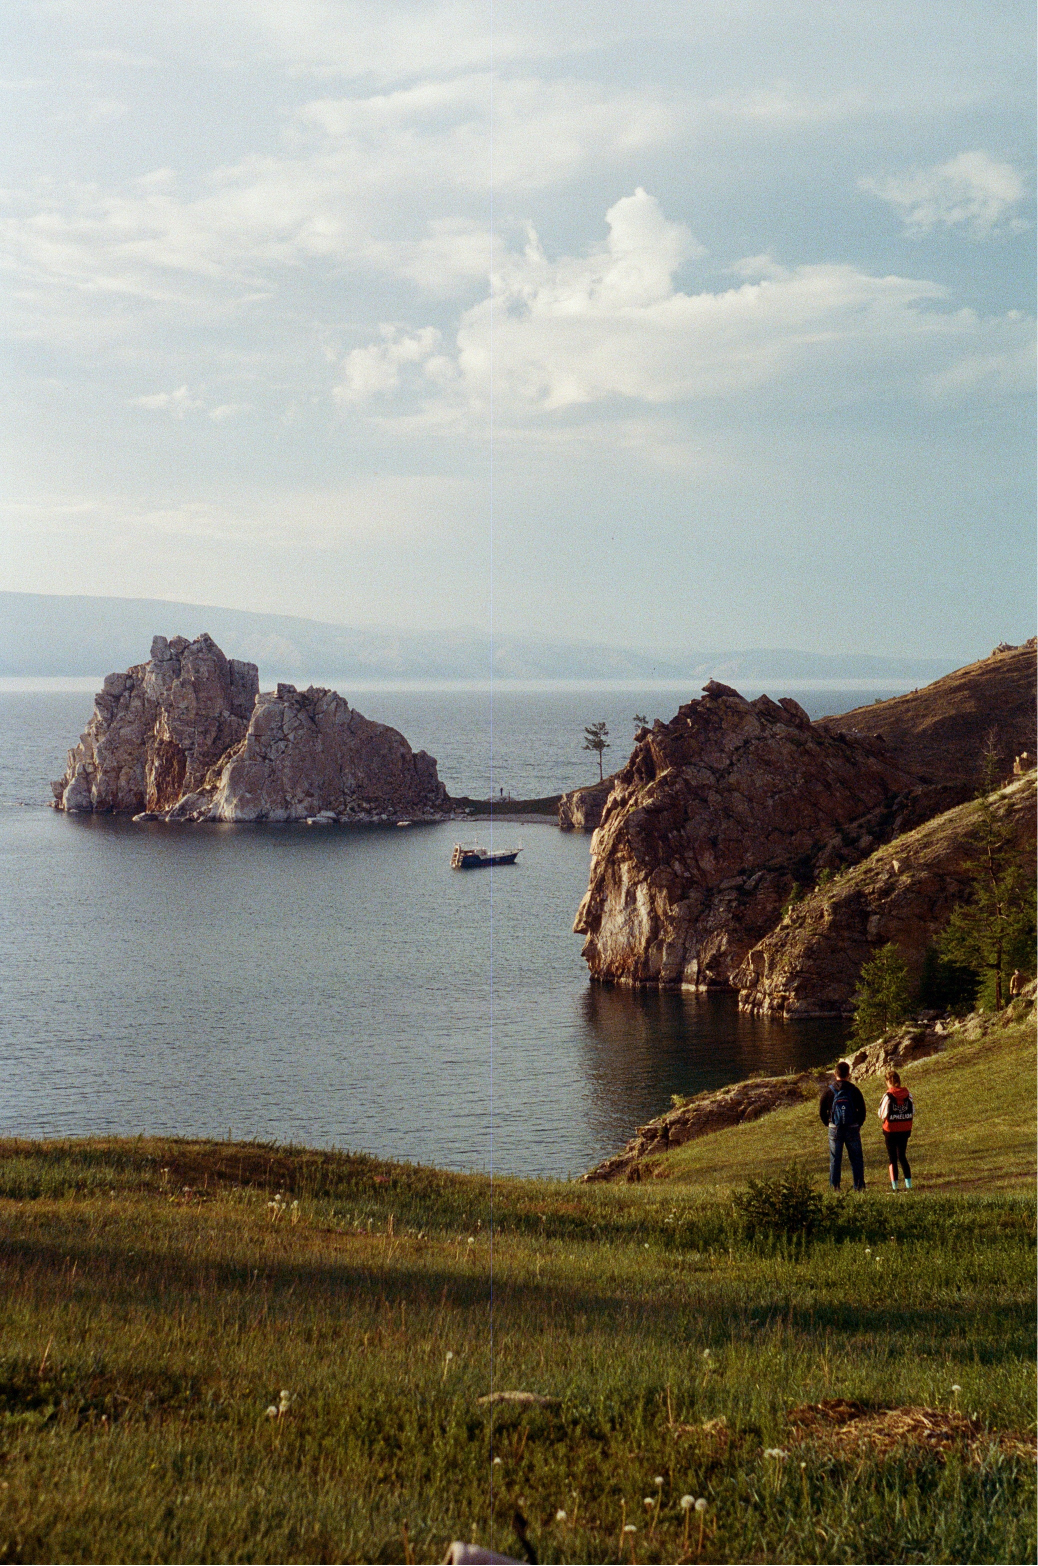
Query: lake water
[(344, 987)]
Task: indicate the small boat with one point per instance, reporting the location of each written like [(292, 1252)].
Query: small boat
[(471, 856)]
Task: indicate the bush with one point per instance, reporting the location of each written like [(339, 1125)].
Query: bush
[(783, 1204)]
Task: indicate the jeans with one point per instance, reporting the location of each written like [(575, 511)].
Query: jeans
[(848, 1137)]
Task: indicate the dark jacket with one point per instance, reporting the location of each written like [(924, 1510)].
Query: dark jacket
[(825, 1104)]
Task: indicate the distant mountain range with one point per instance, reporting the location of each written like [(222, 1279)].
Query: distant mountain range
[(43, 634)]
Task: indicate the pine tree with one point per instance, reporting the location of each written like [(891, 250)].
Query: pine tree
[(884, 995), (596, 738), (993, 931)]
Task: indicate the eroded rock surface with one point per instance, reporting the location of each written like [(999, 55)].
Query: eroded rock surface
[(307, 754), (187, 736), (581, 809), (158, 729), (715, 818), (808, 966)]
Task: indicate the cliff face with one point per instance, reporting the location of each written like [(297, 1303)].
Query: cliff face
[(809, 965), (157, 730), (940, 732), (715, 816), (188, 737), (581, 809)]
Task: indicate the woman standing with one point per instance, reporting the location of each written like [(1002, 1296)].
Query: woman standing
[(895, 1112)]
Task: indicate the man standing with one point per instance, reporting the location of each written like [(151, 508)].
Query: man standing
[(842, 1109)]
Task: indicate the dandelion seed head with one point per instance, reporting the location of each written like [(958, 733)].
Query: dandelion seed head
[(630, 1528), (497, 1462), (687, 1501), (649, 1502), (658, 1481), (472, 1240), (449, 1354), (701, 1504), (272, 1412), (956, 1387), (560, 1515)]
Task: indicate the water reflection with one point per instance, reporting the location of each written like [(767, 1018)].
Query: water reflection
[(640, 1046)]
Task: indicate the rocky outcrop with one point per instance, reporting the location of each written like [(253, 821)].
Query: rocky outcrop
[(187, 736), (307, 754), (581, 809), (157, 730), (940, 732), (717, 816), (699, 1116), (808, 966)]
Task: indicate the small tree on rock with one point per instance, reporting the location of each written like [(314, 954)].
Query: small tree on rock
[(884, 995), (596, 738)]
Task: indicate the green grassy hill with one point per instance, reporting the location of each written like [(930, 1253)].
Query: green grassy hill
[(217, 1352), (975, 1126)]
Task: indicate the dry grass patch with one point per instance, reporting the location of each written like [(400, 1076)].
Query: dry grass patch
[(853, 1429)]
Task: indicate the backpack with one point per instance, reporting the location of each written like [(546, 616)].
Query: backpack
[(843, 1110), (899, 1111)]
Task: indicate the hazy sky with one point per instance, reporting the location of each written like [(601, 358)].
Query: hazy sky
[(668, 324)]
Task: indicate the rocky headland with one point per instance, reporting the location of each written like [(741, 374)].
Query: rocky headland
[(726, 814), (716, 817), (188, 736), (581, 809)]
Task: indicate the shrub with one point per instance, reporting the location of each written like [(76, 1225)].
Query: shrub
[(783, 1204)]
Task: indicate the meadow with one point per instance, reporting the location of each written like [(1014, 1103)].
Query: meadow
[(220, 1351)]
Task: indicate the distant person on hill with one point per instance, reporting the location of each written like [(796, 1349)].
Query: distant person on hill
[(896, 1111), (842, 1108)]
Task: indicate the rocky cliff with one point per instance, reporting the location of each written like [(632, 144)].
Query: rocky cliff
[(809, 965), (941, 731), (715, 818), (581, 809), (158, 729), (187, 736)]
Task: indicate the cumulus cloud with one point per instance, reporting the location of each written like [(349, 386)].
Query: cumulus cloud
[(581, 331), (971, 191)]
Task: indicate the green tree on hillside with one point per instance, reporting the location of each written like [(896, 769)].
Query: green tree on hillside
[(883, 997), (993, 930), (596, 738)]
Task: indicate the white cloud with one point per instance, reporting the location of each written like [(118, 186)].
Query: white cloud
[(580, 331), (972, 191), (178, 403), (370, 371)]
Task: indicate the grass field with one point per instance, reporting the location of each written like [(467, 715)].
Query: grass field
[(159, 1296)]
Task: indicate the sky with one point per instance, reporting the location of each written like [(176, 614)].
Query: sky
[(671, 325)]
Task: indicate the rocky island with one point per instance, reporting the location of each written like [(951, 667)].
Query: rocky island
[(188, 736), (727, 815)]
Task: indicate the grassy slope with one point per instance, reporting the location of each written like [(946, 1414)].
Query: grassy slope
[(975, 1127), (144, 1330)]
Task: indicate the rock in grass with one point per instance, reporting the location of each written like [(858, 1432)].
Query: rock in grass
[(523, 1399)]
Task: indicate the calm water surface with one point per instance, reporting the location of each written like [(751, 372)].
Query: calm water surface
[(343, 987)]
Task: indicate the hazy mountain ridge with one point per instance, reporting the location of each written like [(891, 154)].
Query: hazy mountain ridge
[(50, 634)]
